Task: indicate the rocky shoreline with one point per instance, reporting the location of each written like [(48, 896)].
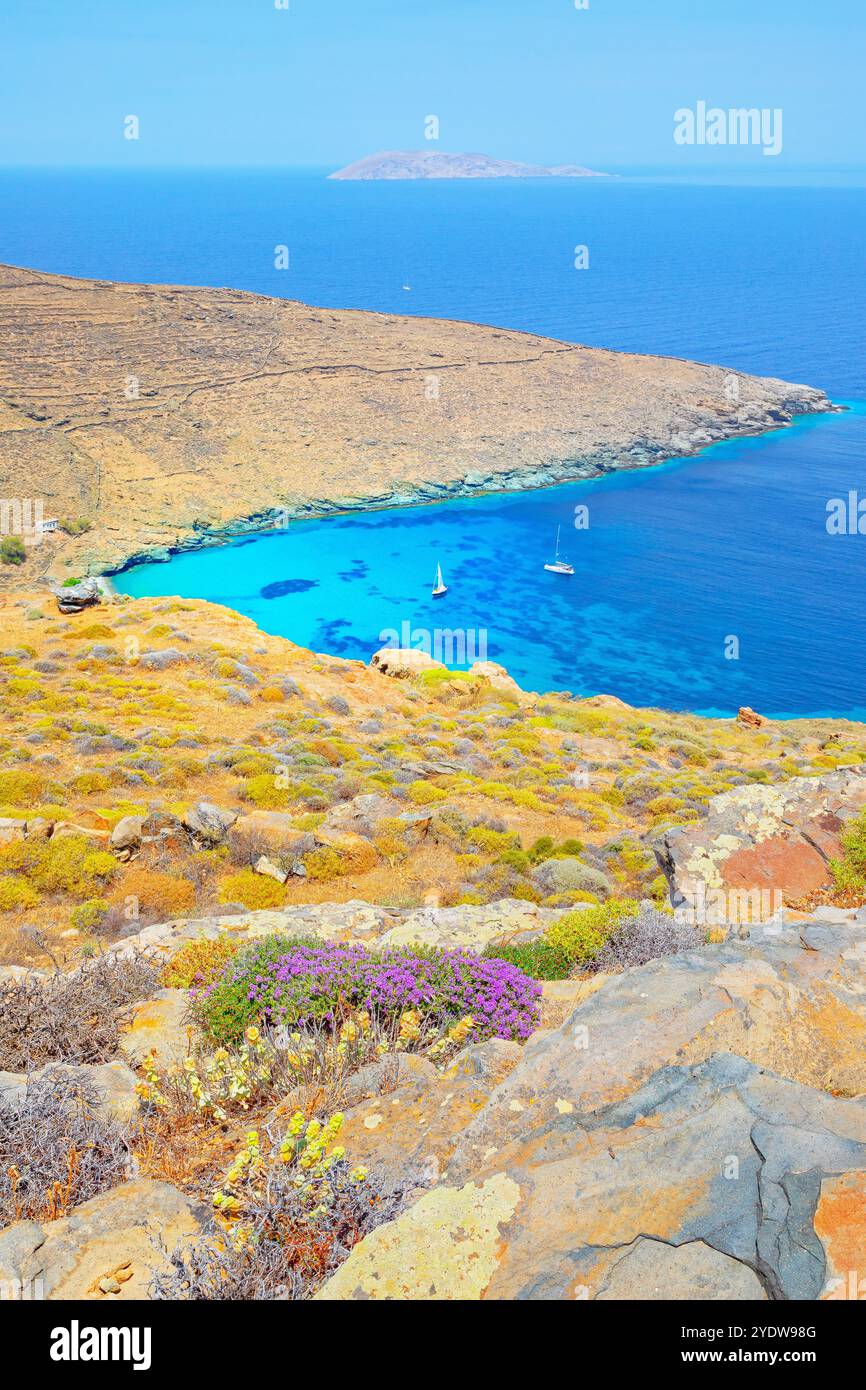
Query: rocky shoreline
[(233, 411), (642, 454)]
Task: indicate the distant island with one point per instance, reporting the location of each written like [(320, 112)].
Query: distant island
[(433, 164)]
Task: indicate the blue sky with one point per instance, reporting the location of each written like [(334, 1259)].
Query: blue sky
[(326, 81)]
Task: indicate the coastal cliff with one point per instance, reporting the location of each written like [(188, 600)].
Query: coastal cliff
[(167, 417)]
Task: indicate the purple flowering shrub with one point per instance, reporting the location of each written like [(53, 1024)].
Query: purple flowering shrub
[(285, 982)]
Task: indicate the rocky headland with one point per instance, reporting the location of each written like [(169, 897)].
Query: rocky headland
[(150, 419)]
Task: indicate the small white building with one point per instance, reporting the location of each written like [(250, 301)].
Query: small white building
[(48, 524)]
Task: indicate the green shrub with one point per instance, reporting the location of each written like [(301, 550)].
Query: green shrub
[(581, 935), (65, 864), (262, 791), (100, 864), (90, 915), (323, 864), (425, 793), (12, 551), (86, 783), (542, 849), (16, 893), (21, 788), (539, 959), (255, 891), (849, 872), (199, 963), (854, 843)]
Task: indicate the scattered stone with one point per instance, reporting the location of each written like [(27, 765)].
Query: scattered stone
[(11, 830), (126, 836), (65, 828), (266, 866)]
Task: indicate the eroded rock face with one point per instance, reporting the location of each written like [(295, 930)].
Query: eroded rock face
[(774, 842), (631, 1154), (106, 1248), (707, 1179), (797, 1009)]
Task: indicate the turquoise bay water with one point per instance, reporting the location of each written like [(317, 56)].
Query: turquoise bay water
[(765, 279), (676, 560)]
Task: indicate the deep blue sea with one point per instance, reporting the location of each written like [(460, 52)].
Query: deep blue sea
[(677, 559)]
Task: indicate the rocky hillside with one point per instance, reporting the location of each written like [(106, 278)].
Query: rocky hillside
[(329, 780), (383, 955), (149, 417)]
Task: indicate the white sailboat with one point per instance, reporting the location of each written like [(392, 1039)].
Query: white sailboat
[(559, 565), (440, 587)]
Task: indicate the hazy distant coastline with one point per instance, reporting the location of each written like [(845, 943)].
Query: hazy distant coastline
[(434, 164)]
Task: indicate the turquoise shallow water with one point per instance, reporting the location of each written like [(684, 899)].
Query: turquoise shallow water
[(676, 561)]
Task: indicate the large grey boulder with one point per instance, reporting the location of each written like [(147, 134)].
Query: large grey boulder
[(126, 836), (78, 596), (208, 822)]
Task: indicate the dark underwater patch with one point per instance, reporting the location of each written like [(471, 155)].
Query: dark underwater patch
[(288, 586)]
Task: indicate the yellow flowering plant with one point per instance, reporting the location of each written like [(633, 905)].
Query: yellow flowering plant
[(305, 1159), (212, 1084)]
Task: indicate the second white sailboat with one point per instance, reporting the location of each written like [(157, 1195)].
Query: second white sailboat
[(559, 565)]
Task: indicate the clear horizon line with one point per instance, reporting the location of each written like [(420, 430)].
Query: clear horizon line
[(719, 168)]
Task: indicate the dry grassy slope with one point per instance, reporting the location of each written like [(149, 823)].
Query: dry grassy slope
[(88, 735), (248, 404)]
